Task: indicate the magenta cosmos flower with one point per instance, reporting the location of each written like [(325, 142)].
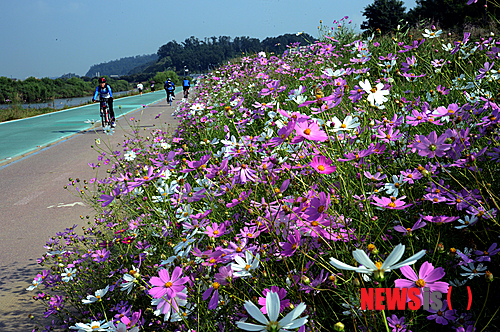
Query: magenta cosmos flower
[(391, 202), (281, 294), (166, 284), (427, 277), (432, 146), (309, 130), (322, 165)]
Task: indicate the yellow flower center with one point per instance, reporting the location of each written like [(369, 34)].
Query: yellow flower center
[(247, 267), (378, 265), (168, 284), (307, 131), (343, 126), (321, 167), (420, 283)]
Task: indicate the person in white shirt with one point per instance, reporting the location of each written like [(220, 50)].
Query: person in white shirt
[(140, 87)]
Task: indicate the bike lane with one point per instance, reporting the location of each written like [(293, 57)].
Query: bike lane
[(34, 205), (24, 136)]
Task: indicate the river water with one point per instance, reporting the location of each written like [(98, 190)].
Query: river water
[(61, 103)]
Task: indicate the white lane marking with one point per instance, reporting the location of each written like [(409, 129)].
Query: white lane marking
[(66, 205)]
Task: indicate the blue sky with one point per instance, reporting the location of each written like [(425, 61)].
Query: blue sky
[(46, 38)]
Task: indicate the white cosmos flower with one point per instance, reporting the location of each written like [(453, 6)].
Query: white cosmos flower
[(98, 295), (376, 95), (431, 34), (130, 280), (68, 274), (467, 221), (472, 271), (243, 267), (273, 310), (108, 130), (378, 268), (34, 284), (348, 124), (93, 326), (393, 188), (165, 145), (130, 155)]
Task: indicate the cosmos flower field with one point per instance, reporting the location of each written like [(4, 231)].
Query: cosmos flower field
[(291, 182)]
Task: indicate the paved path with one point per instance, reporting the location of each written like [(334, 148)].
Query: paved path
[(34, 206), (52, 127)]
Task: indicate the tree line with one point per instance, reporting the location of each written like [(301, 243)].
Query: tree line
[(386, 15), (203, 55), (33, 90), (121, 66)]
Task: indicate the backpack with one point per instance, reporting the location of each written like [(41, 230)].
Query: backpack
[(168, 85)]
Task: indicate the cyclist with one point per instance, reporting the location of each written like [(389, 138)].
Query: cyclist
[(186, 84), (152, 86), (105, 94), (169, 88), (140, 87)]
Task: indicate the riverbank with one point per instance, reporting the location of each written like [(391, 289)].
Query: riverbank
[(16, 112)]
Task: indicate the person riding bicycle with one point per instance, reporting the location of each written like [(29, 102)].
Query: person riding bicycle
[(140, 87), (105, 94), (186, 84), (169, 88)]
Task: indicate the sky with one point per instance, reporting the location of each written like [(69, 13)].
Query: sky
[(49, 38)]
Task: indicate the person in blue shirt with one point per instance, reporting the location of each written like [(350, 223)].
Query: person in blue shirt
[(169, 88), (186, 84), (104, 92)]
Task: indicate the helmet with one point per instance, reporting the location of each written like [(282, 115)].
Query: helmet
[(102, 80), (168, 79)]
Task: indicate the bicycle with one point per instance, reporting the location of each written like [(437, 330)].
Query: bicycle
[(169, 97), (104, 110)]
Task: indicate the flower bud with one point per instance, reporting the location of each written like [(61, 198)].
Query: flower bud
[(305, 280), (355, 282), (372, 249), (339, 326), (379, 275), (488, 276), (440, 247)]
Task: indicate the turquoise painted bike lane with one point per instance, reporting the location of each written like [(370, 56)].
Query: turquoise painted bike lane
[(19, 137)]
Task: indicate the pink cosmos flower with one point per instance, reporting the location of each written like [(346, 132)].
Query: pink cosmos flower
[(281, 293), (432, 146), (389, 135), (216, 230), (100, 255), (443, 315), (166, 284), (319, 205), (374, 177), (428, 277), (440, 219), (408, 231), (249, 232), (391, 202), (484, 256), (322, 165), (292, 245), (308, 130)]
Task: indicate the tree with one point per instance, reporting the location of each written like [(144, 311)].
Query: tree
[(449, 14), (384, 15)]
